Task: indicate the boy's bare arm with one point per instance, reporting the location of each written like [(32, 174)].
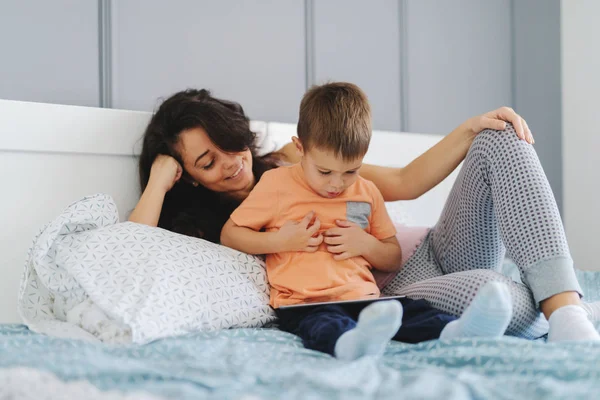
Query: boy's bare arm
[(292, 236), (384, 255), (248, 240)]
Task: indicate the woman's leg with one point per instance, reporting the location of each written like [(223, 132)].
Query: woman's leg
[(421, 266), (453, 293), (422, 278), (501, 202)]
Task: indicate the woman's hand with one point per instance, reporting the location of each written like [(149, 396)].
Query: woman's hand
[(165, 172), (347, 240), (497, 120), (301, 236)]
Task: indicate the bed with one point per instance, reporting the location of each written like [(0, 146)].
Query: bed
[(52, 155)]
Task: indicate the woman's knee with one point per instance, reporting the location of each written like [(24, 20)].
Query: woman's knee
[(507, 135), (496, 145)]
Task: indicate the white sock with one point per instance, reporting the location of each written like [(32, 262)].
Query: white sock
[(571, 323), (488, 315), (377, 324), (593, 310)]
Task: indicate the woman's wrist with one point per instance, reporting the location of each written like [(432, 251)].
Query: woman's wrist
[(464, 135), (466, 132), (154, 189), (148, 208)]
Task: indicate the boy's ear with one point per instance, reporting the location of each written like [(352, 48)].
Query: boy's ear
[(298, 144)]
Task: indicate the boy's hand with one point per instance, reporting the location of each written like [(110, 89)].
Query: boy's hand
[(301, 236), (347, 241)]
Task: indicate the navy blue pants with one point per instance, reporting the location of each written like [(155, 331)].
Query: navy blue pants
[(320, 327)]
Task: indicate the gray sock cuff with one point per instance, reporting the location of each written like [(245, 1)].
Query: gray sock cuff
[(549, 277)]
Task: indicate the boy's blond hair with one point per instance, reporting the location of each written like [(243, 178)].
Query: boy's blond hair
[(336, 117)]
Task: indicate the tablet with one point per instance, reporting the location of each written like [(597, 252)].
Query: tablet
[(340, 302)]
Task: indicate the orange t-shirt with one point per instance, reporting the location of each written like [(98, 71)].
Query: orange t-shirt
[(283, 194)]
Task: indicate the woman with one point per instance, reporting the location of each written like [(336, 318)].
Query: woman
[(199, 161)]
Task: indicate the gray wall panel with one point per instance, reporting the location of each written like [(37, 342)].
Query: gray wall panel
[(49, 51), (458, 61), (251, 52), (358, 41), (538, 82)]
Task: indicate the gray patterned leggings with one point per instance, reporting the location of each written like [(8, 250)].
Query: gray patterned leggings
[(501, 203)]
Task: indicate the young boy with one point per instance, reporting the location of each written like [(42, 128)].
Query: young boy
[(323, 227)]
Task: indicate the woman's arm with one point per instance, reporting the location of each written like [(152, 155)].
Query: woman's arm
[(423, 173), (147, 211), (165, 172), (433, 166)]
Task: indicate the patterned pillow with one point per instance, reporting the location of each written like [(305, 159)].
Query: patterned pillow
[(157, 283)]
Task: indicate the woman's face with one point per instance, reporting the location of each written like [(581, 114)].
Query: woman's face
[(213, 168)]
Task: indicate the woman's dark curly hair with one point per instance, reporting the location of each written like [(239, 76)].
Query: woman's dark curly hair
[(190, 210)]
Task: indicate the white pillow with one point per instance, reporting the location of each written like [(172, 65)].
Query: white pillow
[(157, 283)]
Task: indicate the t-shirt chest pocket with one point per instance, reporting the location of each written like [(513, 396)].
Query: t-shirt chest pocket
[(358, 212)]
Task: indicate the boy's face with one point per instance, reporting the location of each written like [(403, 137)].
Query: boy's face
[(329, 176)]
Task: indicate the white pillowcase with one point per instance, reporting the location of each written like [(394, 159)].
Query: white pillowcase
[(155, 282)]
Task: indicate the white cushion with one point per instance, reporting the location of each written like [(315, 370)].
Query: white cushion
[(155, 282)]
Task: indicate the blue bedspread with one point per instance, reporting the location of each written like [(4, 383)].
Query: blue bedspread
[(265, 363)]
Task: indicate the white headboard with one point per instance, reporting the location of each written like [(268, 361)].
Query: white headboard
[(52, 155)]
